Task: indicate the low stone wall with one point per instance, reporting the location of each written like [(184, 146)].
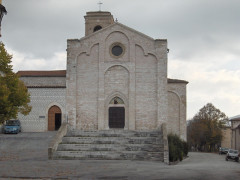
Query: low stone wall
[(53, 145)]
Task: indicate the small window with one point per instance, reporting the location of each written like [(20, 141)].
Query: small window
[(116, 100), (117, 50), (97, 28)]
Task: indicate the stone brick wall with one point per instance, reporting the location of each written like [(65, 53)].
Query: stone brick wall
[(146, 90), (87, 90), (177, 109), (173, 113), (226, 140), (139, 77), (41, 100)]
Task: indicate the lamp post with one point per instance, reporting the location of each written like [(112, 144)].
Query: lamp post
[(3, 11)]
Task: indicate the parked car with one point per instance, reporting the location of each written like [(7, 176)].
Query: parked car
[(12, 126), (233, 155), (223, 150)]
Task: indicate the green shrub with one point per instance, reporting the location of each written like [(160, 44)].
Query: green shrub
[(177, 148)]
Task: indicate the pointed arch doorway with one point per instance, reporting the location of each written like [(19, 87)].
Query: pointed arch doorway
[(54, 118), (116, 113)]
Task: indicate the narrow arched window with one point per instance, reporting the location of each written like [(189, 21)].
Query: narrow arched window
[(116, 100), (97, 28)]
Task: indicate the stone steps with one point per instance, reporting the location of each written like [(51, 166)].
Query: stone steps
[(110, 145), (106, 155), (110, 140), (113, 133)]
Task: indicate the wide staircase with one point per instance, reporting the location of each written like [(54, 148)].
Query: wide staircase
[(111, 145)]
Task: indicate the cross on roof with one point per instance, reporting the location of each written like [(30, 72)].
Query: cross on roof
[(100, 3)]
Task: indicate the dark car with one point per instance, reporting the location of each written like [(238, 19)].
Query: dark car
[(223, 150), (233, 155), (12, 126)]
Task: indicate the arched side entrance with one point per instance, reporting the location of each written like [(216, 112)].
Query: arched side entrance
[(54, 118), (116, 113)]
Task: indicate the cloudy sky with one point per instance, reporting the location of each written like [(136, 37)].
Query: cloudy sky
[(203, 38)]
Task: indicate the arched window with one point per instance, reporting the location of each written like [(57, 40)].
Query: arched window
[(116, 100), (97, 28)]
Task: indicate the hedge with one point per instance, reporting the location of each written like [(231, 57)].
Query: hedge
[(177, 148)]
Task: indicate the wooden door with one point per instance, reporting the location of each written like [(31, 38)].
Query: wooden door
[(116, 117), (52, 118)]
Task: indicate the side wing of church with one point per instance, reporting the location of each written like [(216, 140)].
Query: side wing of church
[(116, 78)]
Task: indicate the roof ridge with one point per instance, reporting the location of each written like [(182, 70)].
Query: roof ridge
[(42, 73)]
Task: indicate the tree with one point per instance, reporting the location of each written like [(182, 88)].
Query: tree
[(14, 96), (205, 129)]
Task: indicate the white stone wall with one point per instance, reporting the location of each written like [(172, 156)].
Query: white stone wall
[(146, 90), (141, 82), (119, 37), (177, 109), (87, 90), (41, 100), (116, 83), (173, 113), (116, 79)]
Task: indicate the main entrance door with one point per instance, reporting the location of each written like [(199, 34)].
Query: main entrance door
[(58, 120), (116, 117), (54, 118)]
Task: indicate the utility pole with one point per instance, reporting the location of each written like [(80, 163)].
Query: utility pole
[(3, 11)]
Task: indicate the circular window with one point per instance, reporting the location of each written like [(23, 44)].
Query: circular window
[(117, 50)]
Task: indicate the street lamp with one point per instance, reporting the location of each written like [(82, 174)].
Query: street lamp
[(3, 11)]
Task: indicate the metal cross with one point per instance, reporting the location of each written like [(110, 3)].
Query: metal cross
[(100, 3)]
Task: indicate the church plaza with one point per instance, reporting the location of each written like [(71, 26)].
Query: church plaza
[(30, 160)]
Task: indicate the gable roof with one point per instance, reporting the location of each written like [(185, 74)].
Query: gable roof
[(56, 73), (235, 118), (112, 25)]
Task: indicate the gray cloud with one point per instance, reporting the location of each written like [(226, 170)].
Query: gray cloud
[(203, 36), (42, 27)]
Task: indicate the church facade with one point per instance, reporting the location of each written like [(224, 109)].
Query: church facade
[(116, 78)]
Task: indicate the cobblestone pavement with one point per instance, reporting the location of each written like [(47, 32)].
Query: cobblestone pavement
[(24, 156)]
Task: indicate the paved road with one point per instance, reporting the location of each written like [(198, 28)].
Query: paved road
[(24, 156)]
